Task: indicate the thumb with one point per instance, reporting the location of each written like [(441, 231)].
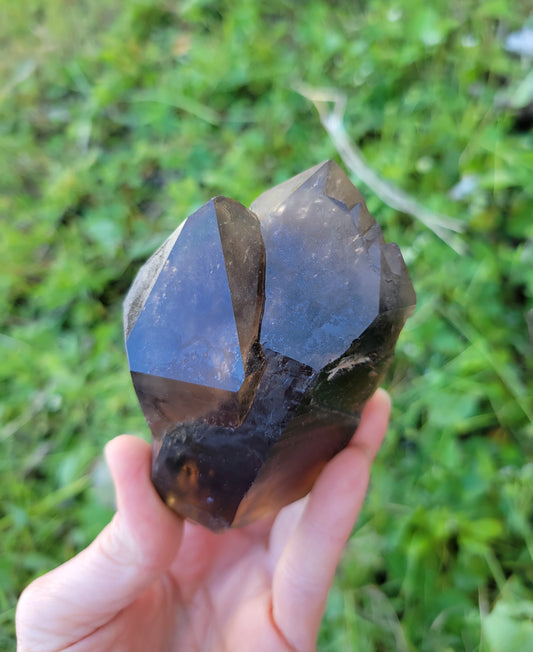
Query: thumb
[(130, 553)]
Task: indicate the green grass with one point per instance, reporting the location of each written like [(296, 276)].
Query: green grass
[(117, 120)]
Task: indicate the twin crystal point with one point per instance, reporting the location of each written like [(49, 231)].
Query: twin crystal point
[(254, 339)]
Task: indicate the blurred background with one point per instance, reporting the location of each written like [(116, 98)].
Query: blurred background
[(119, 119)]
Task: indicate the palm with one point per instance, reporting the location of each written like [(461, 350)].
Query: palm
[(228, 585), (217, 590), (153, 582)]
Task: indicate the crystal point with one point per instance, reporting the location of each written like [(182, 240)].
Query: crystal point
[(254, 339), (193, 344)]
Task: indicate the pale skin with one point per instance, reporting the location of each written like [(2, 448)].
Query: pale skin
[(152, 582)]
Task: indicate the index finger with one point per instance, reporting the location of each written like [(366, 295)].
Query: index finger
[(307, 565)]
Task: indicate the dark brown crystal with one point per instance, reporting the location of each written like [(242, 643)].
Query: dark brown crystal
[(254, 339)]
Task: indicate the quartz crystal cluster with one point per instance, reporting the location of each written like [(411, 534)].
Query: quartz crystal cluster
[(254, 339)]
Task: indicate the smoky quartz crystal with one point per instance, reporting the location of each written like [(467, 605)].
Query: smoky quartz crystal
[(254, 339)]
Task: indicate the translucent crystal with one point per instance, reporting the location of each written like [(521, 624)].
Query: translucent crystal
[(252, 371)]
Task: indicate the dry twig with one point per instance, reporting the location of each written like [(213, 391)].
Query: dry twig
[(330, 105)]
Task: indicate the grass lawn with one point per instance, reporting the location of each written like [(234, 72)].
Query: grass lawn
[(118, 119)]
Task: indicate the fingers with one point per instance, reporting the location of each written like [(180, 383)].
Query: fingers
[(369, 436), (133, 550), (307, 565)]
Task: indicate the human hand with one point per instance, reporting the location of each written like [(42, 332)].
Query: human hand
[(151, 581)]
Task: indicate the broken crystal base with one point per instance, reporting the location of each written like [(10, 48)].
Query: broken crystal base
[(254, 339)]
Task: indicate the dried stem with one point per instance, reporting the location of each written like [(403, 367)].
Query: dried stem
[(330, 105)]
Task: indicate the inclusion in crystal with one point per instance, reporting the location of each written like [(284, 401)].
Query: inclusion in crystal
[(254, 339)]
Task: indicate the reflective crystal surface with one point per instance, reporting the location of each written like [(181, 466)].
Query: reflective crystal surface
[(255, 337)]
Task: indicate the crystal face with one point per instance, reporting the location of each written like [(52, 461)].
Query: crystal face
[(254, 339)]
